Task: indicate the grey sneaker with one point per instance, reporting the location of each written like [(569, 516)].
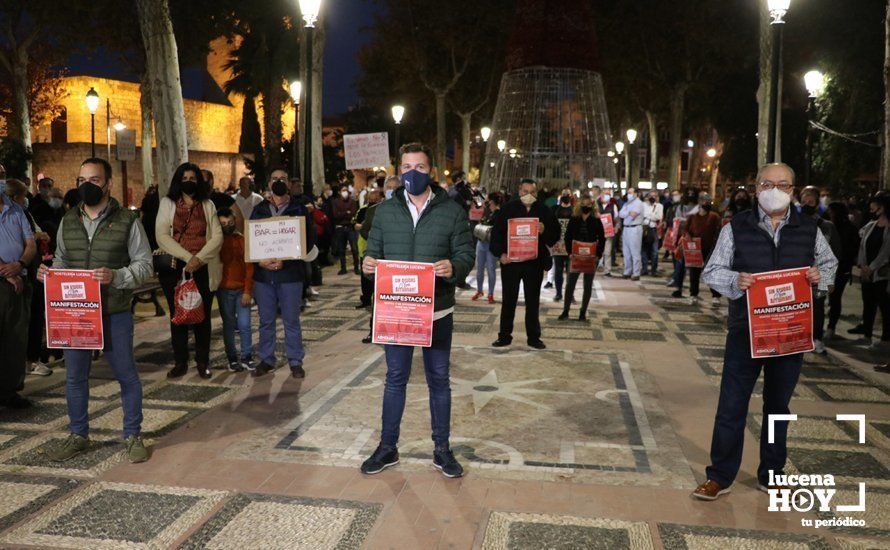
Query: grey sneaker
[(136, 450), (71, 447)]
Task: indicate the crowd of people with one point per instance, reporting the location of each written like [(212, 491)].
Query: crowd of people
[(195, 231)]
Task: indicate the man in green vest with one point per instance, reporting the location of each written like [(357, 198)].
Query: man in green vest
[(109, 240)]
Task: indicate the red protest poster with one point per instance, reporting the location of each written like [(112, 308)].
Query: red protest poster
[(404, 301), (73, 302), (608, 226), (522, 239), (673, 234), (583, 258), (692, 252), (780, 313), (476, 212)]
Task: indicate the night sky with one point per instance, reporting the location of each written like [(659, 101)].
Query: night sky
[(344, 39)]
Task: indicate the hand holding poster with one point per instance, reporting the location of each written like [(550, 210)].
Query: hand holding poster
[(277, 238), (404, 302), (583, 259), (522, 239), (780, 313), (608, 226), (73, 302), (692, 252)]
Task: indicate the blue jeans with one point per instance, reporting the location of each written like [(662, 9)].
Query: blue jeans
[(631, 247), (233, 313), (119, 353), (740, 372), (485, 262), (436, 362), (269, 297), (650, 255)]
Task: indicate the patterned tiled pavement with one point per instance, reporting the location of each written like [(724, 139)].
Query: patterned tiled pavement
[(593, 443)]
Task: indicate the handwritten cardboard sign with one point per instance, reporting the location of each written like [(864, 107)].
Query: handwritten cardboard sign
[(277, 238), (366, 150)]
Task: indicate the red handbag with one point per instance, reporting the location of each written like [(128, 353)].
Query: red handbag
[(187, 301)]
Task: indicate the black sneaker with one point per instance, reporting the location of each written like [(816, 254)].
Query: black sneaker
[(858, 329), (548, 285), (297, 371), (537, 344), (235, 366), (501, 342), (261, 369), (342, 271), (444, 461), (557, 298), (178, 371), (677, 294), (582, 317), (367, 339), (382, 459), (16, 401), (563, 316)]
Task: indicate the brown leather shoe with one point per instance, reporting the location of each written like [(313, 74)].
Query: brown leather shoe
[(177, 371), (710, 490)]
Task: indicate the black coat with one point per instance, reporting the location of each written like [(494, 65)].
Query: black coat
[(595, 233), (515, 209)]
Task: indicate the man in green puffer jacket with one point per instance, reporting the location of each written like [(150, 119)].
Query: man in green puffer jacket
[(420, 223)]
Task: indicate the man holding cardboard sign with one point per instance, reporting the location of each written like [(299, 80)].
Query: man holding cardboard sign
[(278, 244)]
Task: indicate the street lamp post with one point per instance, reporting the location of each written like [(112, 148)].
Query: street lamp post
[(296, 88), (309, 9), (92, 105), (631, 152), (777, 11), (619, 148), (815, 83), (398, 111)]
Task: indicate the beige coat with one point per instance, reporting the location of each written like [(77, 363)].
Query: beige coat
[(209, 254)]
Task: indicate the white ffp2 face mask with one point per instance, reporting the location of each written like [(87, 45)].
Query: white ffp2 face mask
[(774, 200)]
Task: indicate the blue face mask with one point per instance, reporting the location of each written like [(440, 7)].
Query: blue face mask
[(388, 193), (415, 182)]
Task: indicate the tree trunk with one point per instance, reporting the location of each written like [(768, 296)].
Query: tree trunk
[(162, 63), (147, 131), (465, 119), (678, 97), (20, 127), (885, 154), (273, 100), (318, 43), (653, 147), (763, 91), (440, 134)]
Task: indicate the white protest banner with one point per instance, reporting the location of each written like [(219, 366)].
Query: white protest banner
[(366, 150), (277, 238), (126, 144)]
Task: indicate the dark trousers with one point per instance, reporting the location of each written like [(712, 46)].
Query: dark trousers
[(694, 281), (818, 317), (15, 311), (874, 297), (570, 290), (343, 235), (367, 291), (740, 372), (179, 334), (835, 299), (560, 266), (530, 274), (37, 326), (436, 364)]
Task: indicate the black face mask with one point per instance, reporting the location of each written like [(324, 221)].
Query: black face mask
[(90, 193), (742, 204), (228, 229), (706, 207), (279, 188), (808, 210), (565, 200), (188, 187), (586, 209), (380, 182), (652, 200)]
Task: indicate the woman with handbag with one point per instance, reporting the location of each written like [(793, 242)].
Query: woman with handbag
[(189, 236), (584, 227), (485, 261)]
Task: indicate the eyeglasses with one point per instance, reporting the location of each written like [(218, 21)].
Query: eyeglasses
[(95, 180), (767, 185)]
